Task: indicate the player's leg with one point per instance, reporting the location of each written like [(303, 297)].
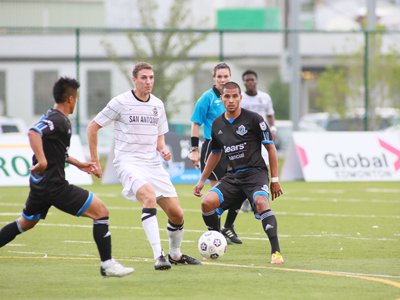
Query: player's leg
[(270, 226), (79, 202), (147, 197), (175, 231), (11, 230), (227, 230), (35, 209), (138, 187), (209, 204)]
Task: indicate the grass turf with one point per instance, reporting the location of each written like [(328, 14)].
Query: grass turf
[(349, 230)]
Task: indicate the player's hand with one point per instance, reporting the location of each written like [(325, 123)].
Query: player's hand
[(97, 170), (88, 167), (40, 167), (195, 158), (197, 189), (165, 154), (276, 190)]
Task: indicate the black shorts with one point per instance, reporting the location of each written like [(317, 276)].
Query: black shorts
[(234, 189), (221, 167), (64, 196)]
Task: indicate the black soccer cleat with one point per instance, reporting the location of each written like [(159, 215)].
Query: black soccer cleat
[(231, 235), (162, 263), (184, 260)]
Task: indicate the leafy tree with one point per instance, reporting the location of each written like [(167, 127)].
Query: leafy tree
[(343, 88), (280, 95), (166, 50)]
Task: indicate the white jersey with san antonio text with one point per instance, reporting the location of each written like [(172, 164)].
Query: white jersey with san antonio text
[(137, 126)]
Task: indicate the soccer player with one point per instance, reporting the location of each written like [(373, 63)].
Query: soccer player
[(140, 123), (259, 102), (207, 108), (50, 140), (239, 134)]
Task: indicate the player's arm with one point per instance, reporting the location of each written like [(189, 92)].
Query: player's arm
[(272, 127), (92, 131), (166, 155), (195, 155), (276, 189), (212, 162), (35, 140), (88, 167)]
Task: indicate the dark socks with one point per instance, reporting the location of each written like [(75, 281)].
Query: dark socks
[(102, 237), (9, 232), (211, 220), (231, 217), (270, 227)]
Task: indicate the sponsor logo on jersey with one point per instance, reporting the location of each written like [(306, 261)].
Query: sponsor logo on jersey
[(220, 132), (234, 148), (241, 130), (143, 119), (155, 111), (237, 156), (263, 126), (217, 101)]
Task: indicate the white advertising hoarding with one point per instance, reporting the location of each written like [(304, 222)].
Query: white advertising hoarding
[(16, 159), (343, 156)]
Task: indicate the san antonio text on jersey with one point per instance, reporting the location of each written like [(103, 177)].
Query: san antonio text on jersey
[(241, 140)]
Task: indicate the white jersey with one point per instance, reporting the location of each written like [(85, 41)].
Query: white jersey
[(137, 126), (260, 103)]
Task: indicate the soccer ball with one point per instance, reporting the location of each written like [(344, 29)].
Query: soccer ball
[(212, 244)]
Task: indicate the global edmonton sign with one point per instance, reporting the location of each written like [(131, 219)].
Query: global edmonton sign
[(343, 156)]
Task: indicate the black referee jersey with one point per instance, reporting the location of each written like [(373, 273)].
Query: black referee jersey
[(55, 130), (241, 140)]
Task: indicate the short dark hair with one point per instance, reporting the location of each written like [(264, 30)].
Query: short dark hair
[(64, 88), (230, 85), (249, 72), (140, 66), (221, 65)]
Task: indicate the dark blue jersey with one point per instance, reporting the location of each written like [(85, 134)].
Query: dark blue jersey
[(241, 140), (55, 130)]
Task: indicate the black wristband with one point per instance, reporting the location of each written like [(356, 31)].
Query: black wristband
[(195, 141)]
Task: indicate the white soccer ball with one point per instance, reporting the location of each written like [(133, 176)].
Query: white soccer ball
[(212, 244)]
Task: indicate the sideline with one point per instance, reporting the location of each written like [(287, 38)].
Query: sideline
[(385, 281)]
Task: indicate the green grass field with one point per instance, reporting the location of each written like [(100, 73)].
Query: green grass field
[(339, 241)]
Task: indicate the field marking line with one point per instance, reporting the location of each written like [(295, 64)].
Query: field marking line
[(243, 237), (385, 281)]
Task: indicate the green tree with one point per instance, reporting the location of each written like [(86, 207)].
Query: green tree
[(166, 50), (342, 88), (280, 95)]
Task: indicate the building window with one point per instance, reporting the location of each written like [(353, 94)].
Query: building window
[(3, 100), (43, 90), (99, 91)]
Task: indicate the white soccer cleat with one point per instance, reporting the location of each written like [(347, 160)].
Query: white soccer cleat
[(112, 268)]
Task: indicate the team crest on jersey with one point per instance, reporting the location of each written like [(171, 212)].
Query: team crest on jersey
[(263, 126), (241, 130), (155, 111)]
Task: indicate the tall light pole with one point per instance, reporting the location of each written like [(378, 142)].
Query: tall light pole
[(294, 53)]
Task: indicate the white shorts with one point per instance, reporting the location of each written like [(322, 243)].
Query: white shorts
[(133, 177)]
